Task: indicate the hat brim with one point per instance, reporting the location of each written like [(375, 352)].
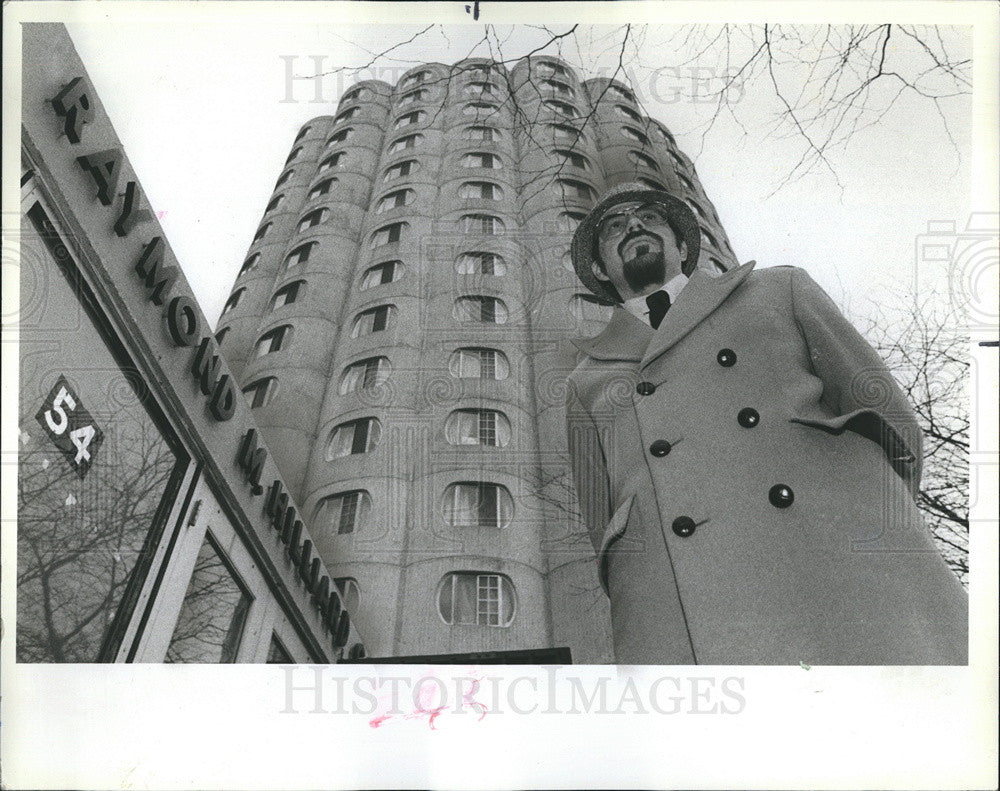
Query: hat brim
[(679, 214)]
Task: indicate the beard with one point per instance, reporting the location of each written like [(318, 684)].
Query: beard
[(646, 269)]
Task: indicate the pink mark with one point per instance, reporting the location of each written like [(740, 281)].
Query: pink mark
[(376, 721), (159, 215)]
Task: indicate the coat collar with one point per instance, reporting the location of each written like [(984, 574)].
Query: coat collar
[(629, 340)]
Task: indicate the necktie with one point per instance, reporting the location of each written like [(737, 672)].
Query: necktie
[(658, 303)]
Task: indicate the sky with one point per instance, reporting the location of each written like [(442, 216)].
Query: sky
[(207, 115)]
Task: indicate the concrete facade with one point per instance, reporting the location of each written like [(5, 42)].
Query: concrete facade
[(471, 179)]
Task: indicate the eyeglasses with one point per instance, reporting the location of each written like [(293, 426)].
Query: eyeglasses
[(614, 225)]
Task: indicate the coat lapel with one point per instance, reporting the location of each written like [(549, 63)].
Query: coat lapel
[(703, 294), (625, 338)]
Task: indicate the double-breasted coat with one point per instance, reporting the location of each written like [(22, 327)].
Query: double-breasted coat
[(747, 474)]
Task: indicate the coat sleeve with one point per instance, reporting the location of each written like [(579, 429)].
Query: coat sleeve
[(590, 471), (858, 388)]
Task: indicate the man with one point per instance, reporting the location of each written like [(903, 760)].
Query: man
[(745, 463)]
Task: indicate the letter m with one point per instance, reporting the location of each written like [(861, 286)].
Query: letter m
[(251, 460), (601, 691), (157, 277)]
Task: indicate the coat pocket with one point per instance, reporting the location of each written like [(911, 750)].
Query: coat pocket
[(615, 529), (902, 456)]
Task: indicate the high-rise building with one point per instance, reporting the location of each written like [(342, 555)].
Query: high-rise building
[(400, 325)]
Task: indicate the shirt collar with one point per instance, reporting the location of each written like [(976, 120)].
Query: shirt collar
[(637, 305)]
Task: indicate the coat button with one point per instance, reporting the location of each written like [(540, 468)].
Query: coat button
[(748, 418), (645, 388), (683, 526), (781, 496), (726, 358), (660, 448)]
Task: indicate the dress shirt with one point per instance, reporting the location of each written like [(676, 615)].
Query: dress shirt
[(637, 305)]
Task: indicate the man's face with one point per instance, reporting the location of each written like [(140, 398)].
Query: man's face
[(638, 248)]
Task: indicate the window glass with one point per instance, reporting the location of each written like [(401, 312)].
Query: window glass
[(642, 160), (381, 274), (322, 188), (341, 136), (621, 93), (634, 134), (344, 512), (559, 87), (300, 254), (477, 427), (482, 224), (569, 188), (295, 152), (480, 159), (302, 133), (629, 113), (478, 363), (403, 143), (250, 263), (284, 177), (233, 301), (373, 320), (477, 504), (262, 392), (409, 119), (414, 79), (487, 310), (481, 109), (277, 654), (480, 190), (486, 133), (549, 68), (395, 200), (562, 108), (273, 340), (221, 334), (480, 263), (475, 599), (97, 468), (274, 203), (313, 218), (413, 96), (353, 437), (481, 89), (333, 161), (287, 294), (365, 374), (389, 234), (401, 169), (210, 625), (262, 232)]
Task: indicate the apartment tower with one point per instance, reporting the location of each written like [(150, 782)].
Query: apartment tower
[(401, 326)]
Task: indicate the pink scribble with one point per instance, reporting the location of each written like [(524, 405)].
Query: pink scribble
[(376, 721), (425, 699)]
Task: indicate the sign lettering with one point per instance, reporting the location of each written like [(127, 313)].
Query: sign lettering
[(70, 426)]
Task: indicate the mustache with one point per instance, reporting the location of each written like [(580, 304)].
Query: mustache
[(636, 235)]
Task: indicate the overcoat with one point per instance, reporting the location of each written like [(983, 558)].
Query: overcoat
[(747, 474)]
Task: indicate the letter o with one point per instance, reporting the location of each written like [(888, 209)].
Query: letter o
[(183, 321)]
